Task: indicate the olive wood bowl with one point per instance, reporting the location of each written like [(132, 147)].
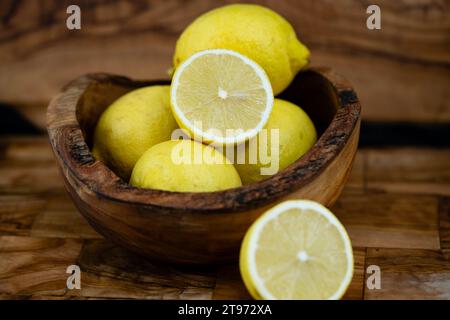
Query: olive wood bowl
[(197, 228)]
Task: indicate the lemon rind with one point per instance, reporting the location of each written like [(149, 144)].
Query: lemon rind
[(257, 282)]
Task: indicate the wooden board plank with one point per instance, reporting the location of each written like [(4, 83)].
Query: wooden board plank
[(409, 170), (61, 219), (42, 215), (17, 213), (27, 165), (109, 271), (35, 266), (400, 72), (410, 274), (389, 221)]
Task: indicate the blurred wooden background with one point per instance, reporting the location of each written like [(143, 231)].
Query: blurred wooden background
[(401, 72)]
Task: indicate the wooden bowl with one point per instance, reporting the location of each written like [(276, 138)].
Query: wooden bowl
[(197, 228)]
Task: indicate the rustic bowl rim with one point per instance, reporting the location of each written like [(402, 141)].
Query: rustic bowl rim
[(73, 154)]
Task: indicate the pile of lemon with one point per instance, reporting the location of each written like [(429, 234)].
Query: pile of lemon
[(227, 67)]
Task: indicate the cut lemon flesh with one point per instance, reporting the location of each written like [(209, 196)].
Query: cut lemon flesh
[(221, 96), (297, 250)]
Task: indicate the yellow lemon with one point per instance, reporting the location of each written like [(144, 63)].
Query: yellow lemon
[(132, 124), (221, 96), (184, 166), (252, 30), (288, 135), (297, 250)]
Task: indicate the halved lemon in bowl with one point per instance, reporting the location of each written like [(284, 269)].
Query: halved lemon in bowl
[(221, 96), (297, 250)]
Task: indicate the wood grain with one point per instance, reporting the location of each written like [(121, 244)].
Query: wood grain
[(41, 214), (410, 274), (35, 266), (409, 170), (356, 289), (110, 271), (400, 71), (388, 220), (61, 219), (25, 149), (17, 213), (27, 164), (416, 280)]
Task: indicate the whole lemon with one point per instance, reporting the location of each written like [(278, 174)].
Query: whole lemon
[(184, 166), (252, 30), (132, 124), (296, 135)]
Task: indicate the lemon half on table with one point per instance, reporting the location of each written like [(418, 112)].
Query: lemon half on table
[(221, 96), (297, 250)]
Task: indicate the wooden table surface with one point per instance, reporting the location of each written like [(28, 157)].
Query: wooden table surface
[(396, 208)]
